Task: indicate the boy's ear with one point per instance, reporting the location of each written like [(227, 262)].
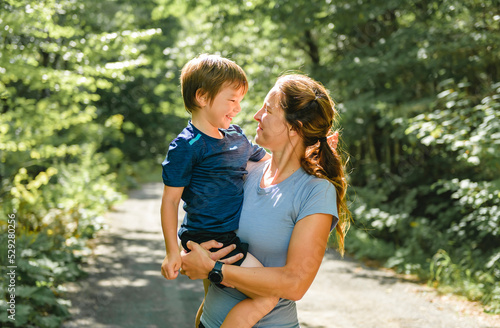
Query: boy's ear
[(201, 97)]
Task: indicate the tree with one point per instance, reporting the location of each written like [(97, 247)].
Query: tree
[(415, 83), (61, 137)]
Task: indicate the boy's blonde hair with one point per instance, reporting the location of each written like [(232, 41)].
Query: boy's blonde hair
[(208, 74)]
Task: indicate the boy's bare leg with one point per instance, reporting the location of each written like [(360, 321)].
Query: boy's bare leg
[(206, 283), (248, 312)]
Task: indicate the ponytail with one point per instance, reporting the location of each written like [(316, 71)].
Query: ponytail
[(310, 111), (323, 161)]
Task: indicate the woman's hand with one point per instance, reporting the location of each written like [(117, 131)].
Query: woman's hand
[(199, 262), (333, 140)]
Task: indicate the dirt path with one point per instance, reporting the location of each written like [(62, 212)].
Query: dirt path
[(125, 288)]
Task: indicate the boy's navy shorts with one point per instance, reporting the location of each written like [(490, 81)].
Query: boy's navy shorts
[(226, 238)]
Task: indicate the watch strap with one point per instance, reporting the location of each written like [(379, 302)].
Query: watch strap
[(218, 266)]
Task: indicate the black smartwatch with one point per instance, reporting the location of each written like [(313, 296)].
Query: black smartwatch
[(215, 275)]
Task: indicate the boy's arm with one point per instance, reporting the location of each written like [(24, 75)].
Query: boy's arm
[(169, 216)]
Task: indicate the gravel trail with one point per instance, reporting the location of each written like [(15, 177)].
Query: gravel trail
[(124, 287)]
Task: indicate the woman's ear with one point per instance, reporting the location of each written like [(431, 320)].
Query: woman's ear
[(293, 131), (201, 97)]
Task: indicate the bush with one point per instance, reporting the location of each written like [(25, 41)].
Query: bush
[(445, 226)]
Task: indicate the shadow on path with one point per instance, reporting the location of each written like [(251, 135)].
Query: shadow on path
[(359, 270), (124, 287), (348, 294)]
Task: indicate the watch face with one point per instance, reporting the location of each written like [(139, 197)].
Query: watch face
[(215, 277)]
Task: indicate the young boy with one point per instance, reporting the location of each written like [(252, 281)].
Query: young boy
[(205, 166)]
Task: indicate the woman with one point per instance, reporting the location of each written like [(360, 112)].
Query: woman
[(291, 204)]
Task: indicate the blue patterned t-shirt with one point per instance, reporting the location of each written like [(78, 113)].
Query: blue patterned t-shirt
[(211, 171)]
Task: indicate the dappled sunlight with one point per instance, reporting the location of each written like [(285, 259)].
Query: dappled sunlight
[(123, 282), (90, 99), (126, 284)]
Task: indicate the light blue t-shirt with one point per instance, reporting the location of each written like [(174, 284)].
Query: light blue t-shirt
[(267, 220)]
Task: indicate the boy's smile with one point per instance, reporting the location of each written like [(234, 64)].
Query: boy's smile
[(219, 113)]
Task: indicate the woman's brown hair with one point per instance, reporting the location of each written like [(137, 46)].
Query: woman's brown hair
[(311, 112)]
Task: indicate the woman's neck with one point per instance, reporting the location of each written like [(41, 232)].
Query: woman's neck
[(283, 164)]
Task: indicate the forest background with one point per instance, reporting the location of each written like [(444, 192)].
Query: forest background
[(90, 99)]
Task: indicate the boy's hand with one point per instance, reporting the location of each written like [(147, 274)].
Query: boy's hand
[(171, 265), (199, 261)]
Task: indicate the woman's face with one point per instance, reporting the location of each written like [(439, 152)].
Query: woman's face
[(272, 131)]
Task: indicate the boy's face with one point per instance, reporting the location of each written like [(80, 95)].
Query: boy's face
[(224, 107)]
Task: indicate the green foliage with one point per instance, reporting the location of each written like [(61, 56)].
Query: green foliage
[(415, 83), (478, 282), (446, 228), (44, 260), (64, 139), (89, 96)]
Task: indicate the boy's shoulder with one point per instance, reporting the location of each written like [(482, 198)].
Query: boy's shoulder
[(189, 140), (235, 127), (234, 130), (188, 135)]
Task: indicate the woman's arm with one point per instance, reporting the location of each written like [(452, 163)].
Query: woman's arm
[(305, 253)]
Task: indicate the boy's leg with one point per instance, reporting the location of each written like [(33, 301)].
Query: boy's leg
[(248, 312), (206, 283), (251, 262)]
